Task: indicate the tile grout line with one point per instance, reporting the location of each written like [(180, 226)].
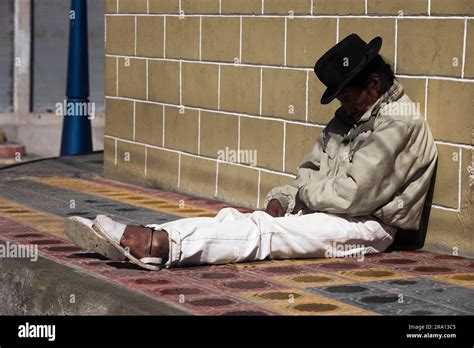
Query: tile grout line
[(261, 89), (199, 132), (426, 99), (115, 152), (281, 67), (396, 47), (180, 153), (217, 179), (134, 118), (147, 6), (429, 8), (179, 169), (180, 83), (459, 179), (306, 97), (146, 73), (337, 29), (440, 207), (269, 118), (263, 7), (284, 147), (164, 37), (163, 128), (116, 76), (365, 7), (240, 42), (214, 159), (146, 159), (200, 157), (135, 43), (311, 11), (464, 48), (284, 42), (218, 87), (258, 190), (238, 139), (463, 146), (258, 117), (105, 32), (421, 17), (200, 37)]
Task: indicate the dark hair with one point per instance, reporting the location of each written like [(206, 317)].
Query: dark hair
[(378, 66)]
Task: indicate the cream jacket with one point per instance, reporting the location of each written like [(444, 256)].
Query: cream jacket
[(380, 166)]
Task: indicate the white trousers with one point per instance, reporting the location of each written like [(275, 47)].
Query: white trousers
[(232, 236)]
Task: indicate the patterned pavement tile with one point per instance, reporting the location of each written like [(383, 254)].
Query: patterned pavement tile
[(297, 302), (180, 207), (384, 303), (346, 290), (425, 309), (449, 296), (312, 279), (373, 274), (397, 283), (409, 285), (466, 279), (429, 269)]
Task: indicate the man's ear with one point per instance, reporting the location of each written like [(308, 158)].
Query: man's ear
[(375, 85)]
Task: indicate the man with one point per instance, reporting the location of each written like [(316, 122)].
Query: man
[(367, 175)]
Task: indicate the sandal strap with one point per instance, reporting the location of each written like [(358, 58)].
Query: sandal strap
[(152, 260)]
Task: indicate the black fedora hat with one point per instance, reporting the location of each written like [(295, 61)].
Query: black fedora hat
[(338, 66)]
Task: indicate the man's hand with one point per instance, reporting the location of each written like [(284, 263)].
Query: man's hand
[(274, 208), (299, 204)]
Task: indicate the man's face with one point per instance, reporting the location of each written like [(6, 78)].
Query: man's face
[(356, 101)]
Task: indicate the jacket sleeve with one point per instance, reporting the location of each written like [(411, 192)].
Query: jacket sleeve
[(378, 169), (309, 165)]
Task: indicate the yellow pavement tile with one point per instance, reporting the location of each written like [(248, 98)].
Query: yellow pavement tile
[(274, 263), (298, 302), (461, 279), (126, 196), (373, 274), (306, 280), (36, 219)]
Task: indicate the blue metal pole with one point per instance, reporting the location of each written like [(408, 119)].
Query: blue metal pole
[(77, 136)]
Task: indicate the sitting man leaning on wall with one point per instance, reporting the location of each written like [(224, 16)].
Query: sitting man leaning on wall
[(367, 175)]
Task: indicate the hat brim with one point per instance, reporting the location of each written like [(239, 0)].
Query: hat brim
[(331, 93)]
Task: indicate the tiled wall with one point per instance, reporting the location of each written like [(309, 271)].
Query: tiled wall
[(187, 79)]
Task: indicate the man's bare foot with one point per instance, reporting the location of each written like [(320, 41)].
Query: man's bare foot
[(146, 242)]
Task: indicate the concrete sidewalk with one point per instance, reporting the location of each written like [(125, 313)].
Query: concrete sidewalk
[(36, 197)]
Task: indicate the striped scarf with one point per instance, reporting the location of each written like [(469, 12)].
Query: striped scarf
[(394, 93)]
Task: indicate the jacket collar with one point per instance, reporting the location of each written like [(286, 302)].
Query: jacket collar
[(394, 93)]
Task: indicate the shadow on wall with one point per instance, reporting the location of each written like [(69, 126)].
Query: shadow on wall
[(415, 239)]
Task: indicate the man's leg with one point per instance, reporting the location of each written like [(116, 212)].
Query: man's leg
[(232, 236)]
